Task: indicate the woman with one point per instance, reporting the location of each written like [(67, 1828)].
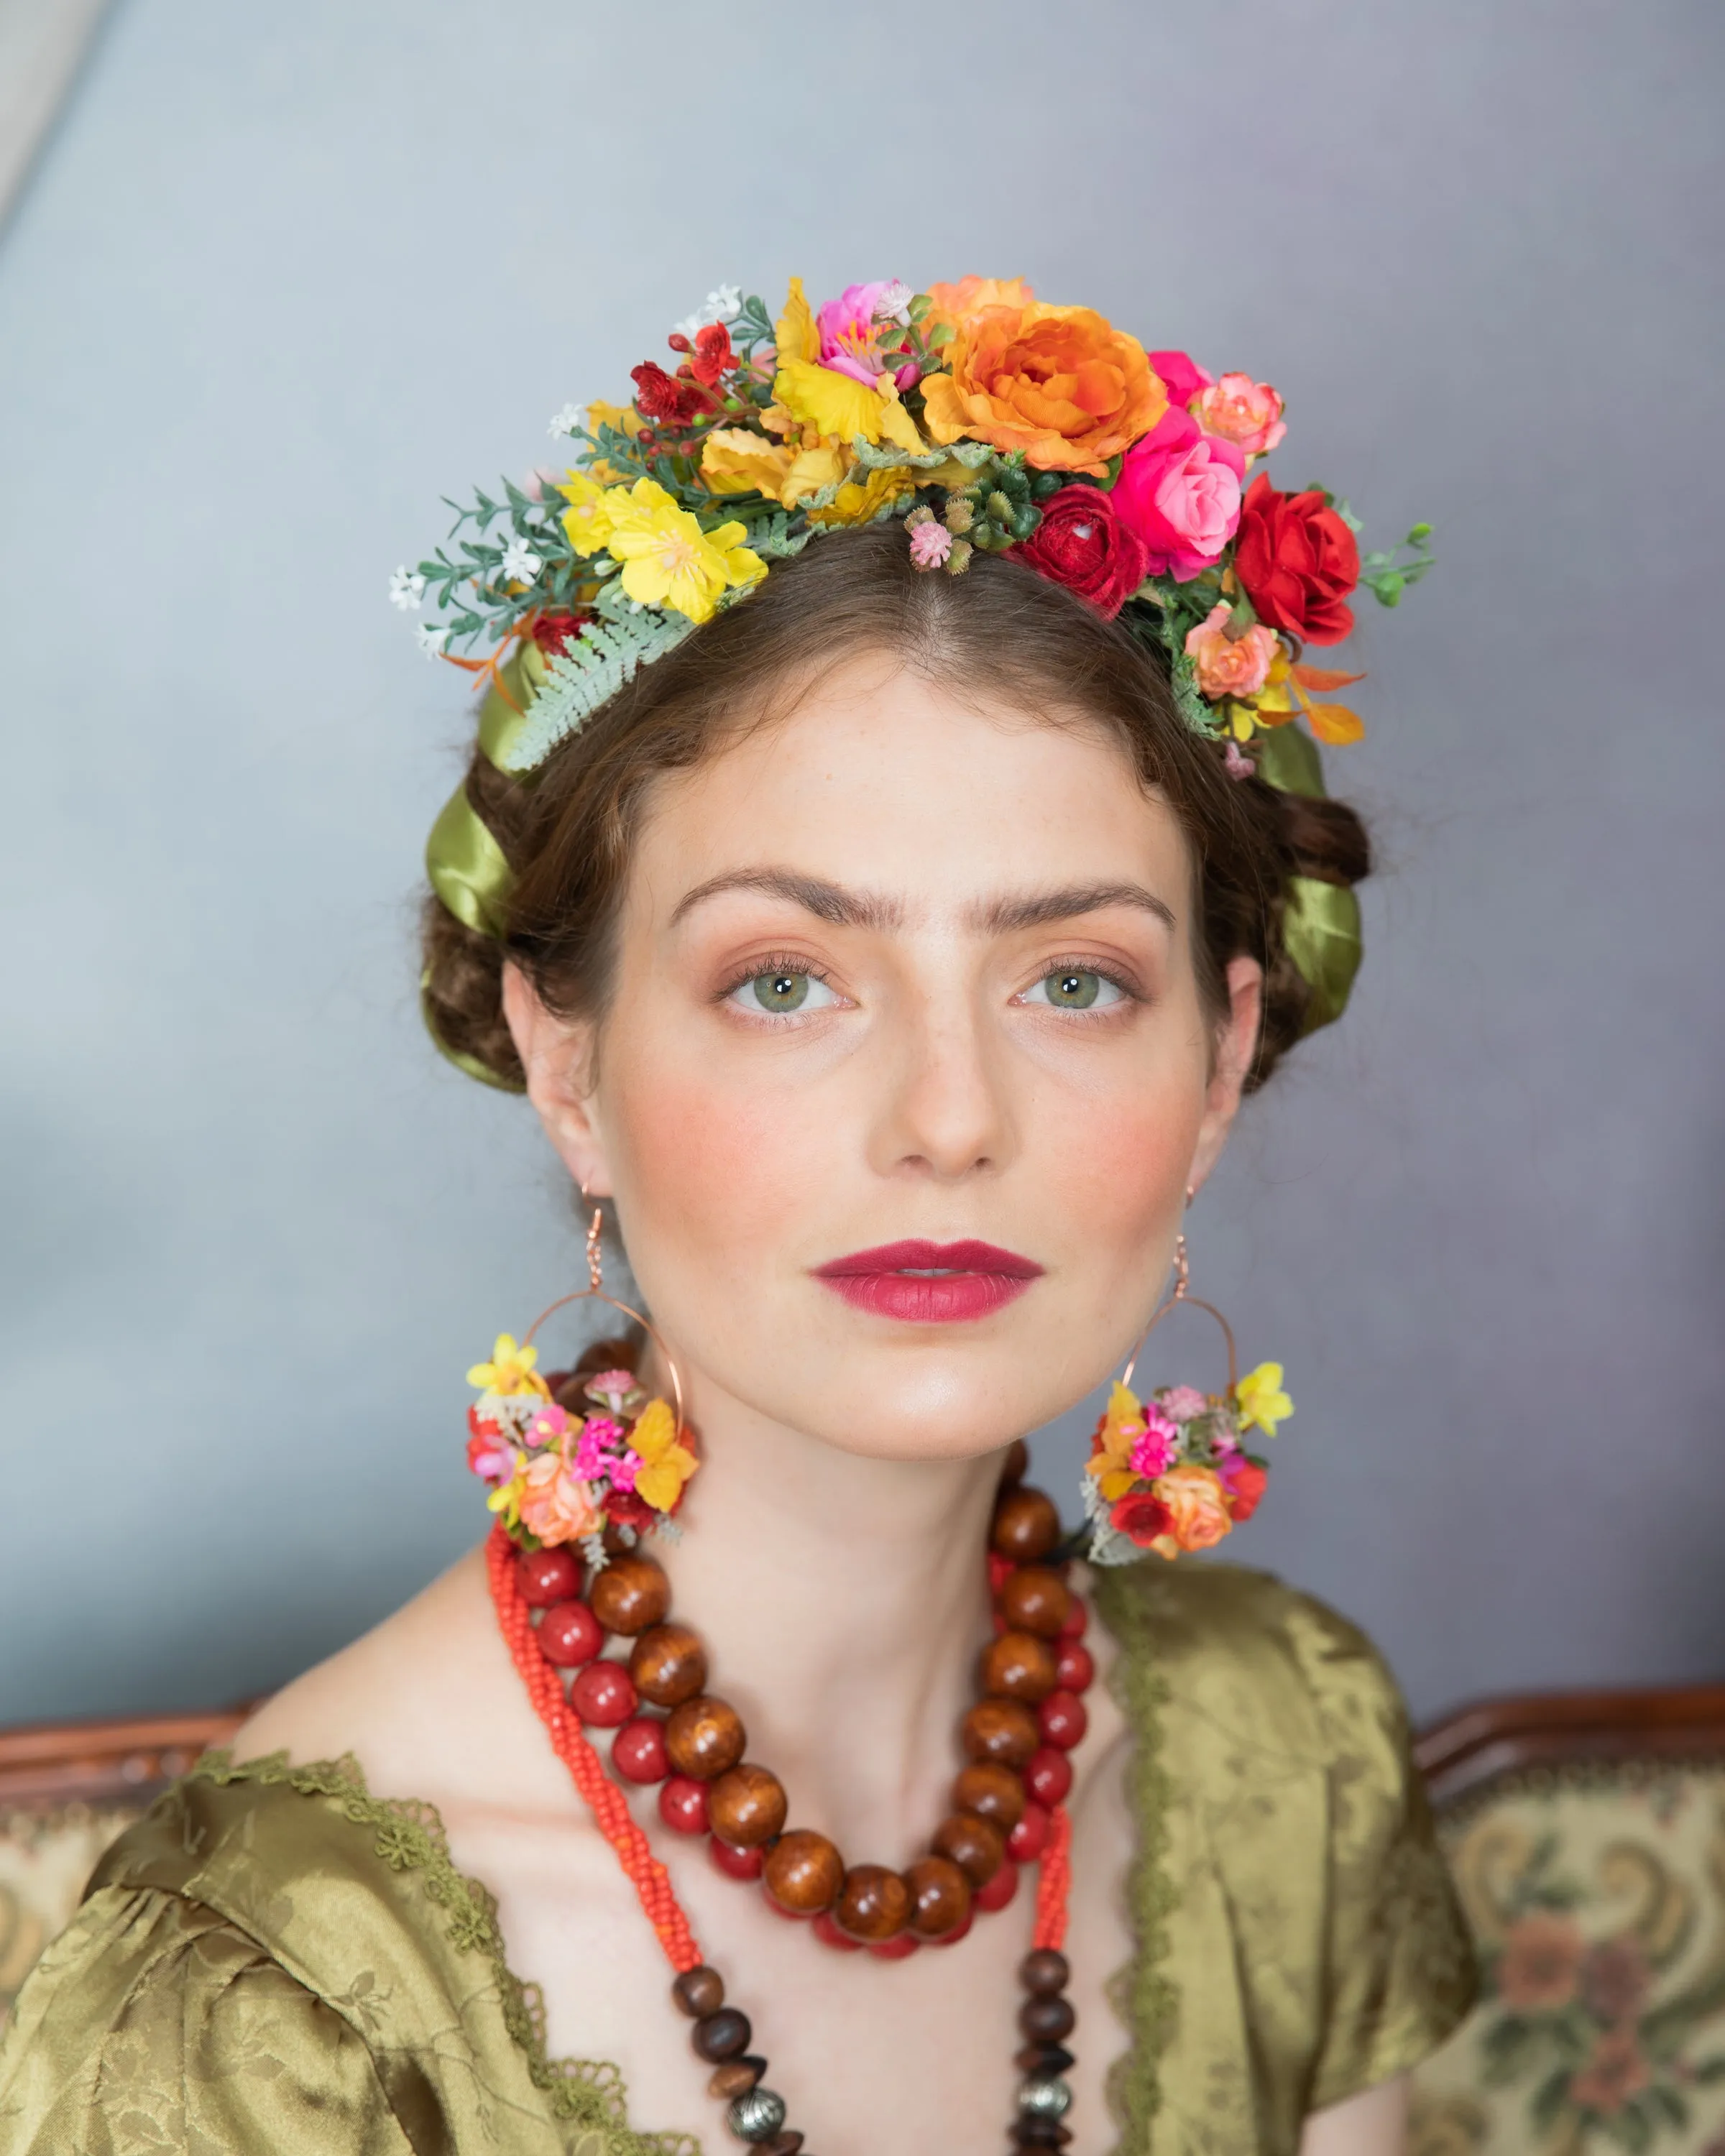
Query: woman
[(891, 949)]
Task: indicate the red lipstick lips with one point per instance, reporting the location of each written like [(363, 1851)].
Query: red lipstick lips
[(923, 1283)]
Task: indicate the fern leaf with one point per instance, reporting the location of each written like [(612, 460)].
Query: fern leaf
[(587, 674)]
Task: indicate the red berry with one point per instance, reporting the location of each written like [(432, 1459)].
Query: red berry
[(896, 1948), (999, 1623), (1001, 1569), (638, 1751), (1048, 1776), (570, 1636), (1062, 1720), (603, 1693), (952, 1939), (999, 1890), (682, 1804), (1029, 1837), (1073, 1666), (737, 1863), (828, 1932), (1077, 1617), (547, 1576)]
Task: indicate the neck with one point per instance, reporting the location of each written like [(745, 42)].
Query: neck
[(843, 1602)]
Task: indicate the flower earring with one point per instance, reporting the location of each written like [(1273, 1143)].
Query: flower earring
[(572, 1457), (1172, 1473)]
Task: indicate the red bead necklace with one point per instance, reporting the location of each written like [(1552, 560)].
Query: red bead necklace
[(1008, 1798)]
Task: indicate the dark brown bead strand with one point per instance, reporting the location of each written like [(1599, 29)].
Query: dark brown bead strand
[(1000, 1729), (699, 1991), (1045, 2017), (720, 2035), (976, 1847), (873, 1903), (669, 1665), (705, 1737), (1016, 1466), (736, 2076), (629, 1595)]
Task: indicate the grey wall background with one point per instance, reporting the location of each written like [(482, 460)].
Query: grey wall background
[(285, 277)]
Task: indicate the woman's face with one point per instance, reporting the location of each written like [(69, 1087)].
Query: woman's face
[(905, 1073)]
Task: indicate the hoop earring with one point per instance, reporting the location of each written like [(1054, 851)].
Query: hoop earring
[(608, 1467), (1170, 1473)]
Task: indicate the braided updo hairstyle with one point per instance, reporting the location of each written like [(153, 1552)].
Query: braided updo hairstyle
[(999, 635)]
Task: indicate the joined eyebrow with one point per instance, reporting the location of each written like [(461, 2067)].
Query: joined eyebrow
[(861, 909)]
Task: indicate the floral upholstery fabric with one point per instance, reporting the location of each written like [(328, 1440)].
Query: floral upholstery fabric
[(1597, 1900), (46, 1856)]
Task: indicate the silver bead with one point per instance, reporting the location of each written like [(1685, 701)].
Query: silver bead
[(1045, 2096), (757, 2114)]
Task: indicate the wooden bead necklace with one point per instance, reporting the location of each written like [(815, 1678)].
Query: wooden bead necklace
[(1008, 1799)]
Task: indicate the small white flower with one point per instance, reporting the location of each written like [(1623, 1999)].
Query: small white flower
[(431, 640), (724, 305), (569, 421), (520, 563), (894, 304), (406, 588)]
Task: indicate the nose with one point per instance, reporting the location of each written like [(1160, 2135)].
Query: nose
[(944, 1108)]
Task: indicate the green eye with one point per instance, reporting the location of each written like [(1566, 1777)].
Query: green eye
[(778, 992), (1072, 991)]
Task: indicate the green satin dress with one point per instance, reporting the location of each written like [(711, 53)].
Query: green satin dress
[(273, 1960)]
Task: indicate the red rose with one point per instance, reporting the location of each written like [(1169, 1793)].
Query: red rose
[(1141, 1517), (1243, 1480), (712, 355), (1298, 562), (552, 632), (624, 1509), (1082, 544), (658, 396)]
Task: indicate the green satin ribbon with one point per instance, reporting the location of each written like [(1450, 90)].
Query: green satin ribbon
[(468, 868), (1320, 929)]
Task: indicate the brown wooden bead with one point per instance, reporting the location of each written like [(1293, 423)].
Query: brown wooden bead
[(1038, 2134), (1043, 1970), (1035, 1599), (668, 1664), (746, 1806), (1044, 2060), (699, 1991), (975, 1847), (1045, 2021), (1018, 1665), (1001, 1729), (629, 1595), (994, 1793), (873, 1903), (940, 1896), (1016, 1466), (721, 2036), (705, 1737), (782, 2144), (736, 2076), (804, 1872), (1026, 1525)]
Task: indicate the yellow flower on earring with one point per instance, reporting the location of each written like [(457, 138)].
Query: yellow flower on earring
[(1261, 1400), (1121, 1426), (666, 1465), (510, 1370)]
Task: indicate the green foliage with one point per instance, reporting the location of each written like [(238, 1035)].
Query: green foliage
[(1387, 575), (591, 668)]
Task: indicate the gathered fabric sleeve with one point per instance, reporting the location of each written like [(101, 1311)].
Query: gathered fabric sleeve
[(1398, 1963), (152, 2025)]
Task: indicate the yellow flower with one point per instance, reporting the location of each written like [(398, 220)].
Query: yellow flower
[(623, 416), (510, 1370), (799, 336), (1121, 1426), (736, 460), (667, 1465), (862, 505), (839, 407), (1260, 1398), (587, 519), (813, 468), (506, 1498), (668, 560)]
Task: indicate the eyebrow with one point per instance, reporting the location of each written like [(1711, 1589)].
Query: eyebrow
[(861, 909)]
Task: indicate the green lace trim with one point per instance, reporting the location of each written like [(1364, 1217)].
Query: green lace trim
[(1143, 1994), (410, 1837)]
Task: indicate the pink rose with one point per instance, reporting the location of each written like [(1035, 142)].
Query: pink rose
[(1230, 666), (1179, 490), (854, 343), (1182, 376), (1180, 1403), (555, 1506), (1243, 412)]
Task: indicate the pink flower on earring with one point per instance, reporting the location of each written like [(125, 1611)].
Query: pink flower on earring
[(1180, 1403), (1151, 1453)]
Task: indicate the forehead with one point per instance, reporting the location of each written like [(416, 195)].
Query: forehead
[(880, 780)]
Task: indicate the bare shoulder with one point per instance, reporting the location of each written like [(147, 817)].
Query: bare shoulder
[(427, 1702)]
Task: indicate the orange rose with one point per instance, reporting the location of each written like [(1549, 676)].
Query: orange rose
[(956, 303), (1059, 383), (1197, 1508), (555, 1505)]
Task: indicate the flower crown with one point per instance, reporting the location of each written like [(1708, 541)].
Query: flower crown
[(978, 416)]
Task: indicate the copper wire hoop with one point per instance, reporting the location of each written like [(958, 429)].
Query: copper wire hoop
[(594, 1292), (1183, 1271)]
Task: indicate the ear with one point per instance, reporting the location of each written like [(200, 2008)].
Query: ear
[(558, 1055), (1236, 1043)]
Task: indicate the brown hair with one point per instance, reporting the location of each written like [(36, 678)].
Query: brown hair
[(999, 632)]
